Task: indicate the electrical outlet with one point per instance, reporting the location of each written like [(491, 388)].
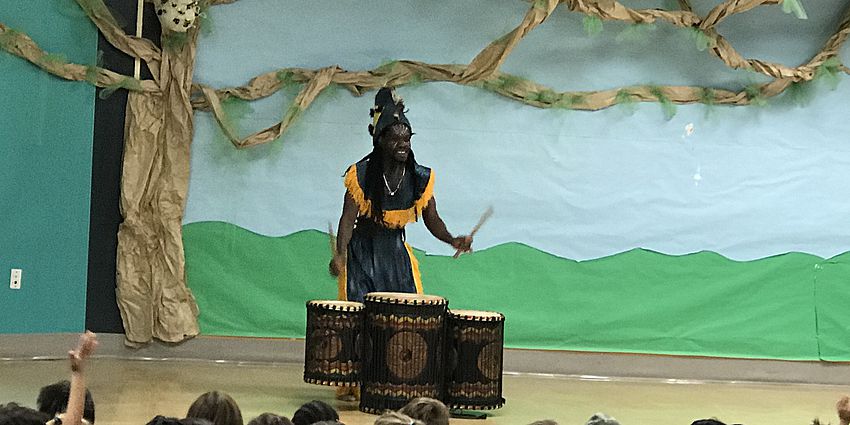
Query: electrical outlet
[(15, 279)]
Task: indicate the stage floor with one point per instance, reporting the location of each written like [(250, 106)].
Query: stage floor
[(130, 392)]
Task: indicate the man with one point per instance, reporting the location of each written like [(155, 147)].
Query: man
[(385, 191)]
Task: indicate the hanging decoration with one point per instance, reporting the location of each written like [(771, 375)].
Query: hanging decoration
[(177, 15)]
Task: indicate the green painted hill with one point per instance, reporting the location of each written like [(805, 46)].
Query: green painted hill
[(788, 306)]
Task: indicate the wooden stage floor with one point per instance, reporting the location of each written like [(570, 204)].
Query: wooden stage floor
[(130, 392)]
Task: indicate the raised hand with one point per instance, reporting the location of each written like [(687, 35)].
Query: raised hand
[(462, 244), (85, 348), (843, 410)]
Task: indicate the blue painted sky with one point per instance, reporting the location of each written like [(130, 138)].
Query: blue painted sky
[(748, 183)]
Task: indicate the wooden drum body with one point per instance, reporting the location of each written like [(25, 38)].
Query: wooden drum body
[(474, 359), (403, 350), (332, 355)]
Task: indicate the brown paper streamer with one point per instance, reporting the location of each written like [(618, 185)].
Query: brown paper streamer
[(152, 293), (134, 46), (321, 80), (492, 57), (611, 10), (25, 48), (483, 71)]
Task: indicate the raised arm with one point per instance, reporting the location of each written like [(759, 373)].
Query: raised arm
[(77, 395), (437, 228), (346, 226), (843, 409)]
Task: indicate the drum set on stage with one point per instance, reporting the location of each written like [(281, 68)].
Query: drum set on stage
[(396, 347)]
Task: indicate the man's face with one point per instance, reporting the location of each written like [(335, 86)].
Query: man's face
[(396, 145)]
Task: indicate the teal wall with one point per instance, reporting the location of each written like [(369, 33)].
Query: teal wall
[(46, 127)]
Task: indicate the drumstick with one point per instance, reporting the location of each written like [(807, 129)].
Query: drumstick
[(481, 221), (332, 239)]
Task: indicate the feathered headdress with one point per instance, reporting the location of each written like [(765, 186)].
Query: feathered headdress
[(387, 111)]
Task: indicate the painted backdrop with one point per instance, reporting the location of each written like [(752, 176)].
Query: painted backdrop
[(616, 230)]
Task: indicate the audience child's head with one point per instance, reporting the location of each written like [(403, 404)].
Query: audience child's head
[(601, 419), (217, 407), (314, 411), (15, 414), (270, 419), (164, 420), (842, 407), (427, 410), (53, 400), (195, 421), (396, 418)]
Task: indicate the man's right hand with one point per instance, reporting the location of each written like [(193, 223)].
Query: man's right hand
[(336, 266)]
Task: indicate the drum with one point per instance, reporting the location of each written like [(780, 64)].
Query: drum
[(474, 359), (403, 350), (332, 355)]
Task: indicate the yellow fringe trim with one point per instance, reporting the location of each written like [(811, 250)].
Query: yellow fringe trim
[(414, 268), (393, 218)]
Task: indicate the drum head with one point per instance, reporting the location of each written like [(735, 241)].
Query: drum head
[(478, 316), (335, 305), (403, 298)]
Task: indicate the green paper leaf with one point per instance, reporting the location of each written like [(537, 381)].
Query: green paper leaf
[(91, 75), (547, 96), (175, 40), (795, 7), (92, 70), (667, 106), (293, 112), (503, 83), (707, 96), (8, 40), (800, 93), (563, 102), (636, 33), (386, 67), (541, 4), (569, 101), (829, 72), (286, 77), (578, 99), (125, 83), (626, 100), (592, 25), (415, 80), (205, 23), (508, 82), (753, 92), (53, 60), (235, 112), (700, 38), (332, 92)]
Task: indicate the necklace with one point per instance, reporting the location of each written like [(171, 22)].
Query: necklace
[(387, 184)]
